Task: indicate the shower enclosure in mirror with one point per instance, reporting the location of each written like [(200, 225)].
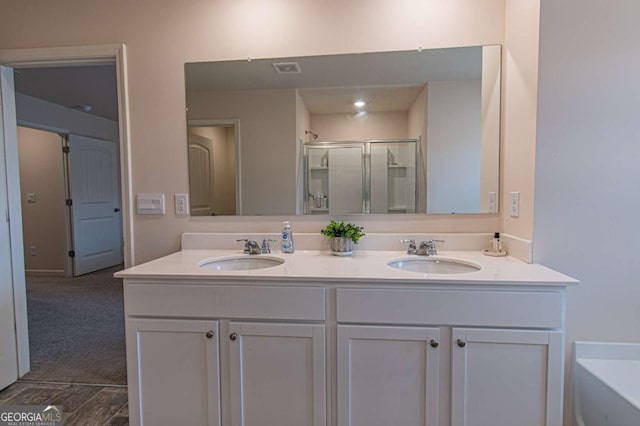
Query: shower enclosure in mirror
[(261, 131), (377, 176)]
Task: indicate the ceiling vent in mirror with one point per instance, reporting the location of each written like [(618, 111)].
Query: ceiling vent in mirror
[(287, 67)]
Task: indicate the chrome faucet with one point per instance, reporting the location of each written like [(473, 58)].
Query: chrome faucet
[(412, 246), (250, 246), (428, 248), (265, 245)]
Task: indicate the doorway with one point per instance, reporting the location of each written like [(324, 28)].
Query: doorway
[(70, 203), (214, 182), (14, 351), (72, 228)]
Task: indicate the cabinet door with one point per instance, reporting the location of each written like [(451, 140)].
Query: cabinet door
[(506, 377), (277, 374), (173, 376), (388, 376)]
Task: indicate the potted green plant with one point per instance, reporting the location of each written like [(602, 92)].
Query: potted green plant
[(342, 237)]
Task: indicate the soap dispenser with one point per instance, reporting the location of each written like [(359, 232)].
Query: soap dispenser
[(287, 238)]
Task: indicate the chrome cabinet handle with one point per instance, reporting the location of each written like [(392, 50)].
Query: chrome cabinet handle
[(461, 343), (434, 343), (210, 334), (233, 336)]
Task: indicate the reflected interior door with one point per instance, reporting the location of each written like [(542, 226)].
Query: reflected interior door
[(94, 189), (201, 175)]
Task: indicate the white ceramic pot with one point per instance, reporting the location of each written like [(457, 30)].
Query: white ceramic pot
[(341, 246)]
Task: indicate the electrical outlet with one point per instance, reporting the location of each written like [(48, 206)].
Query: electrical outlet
[(492, 203), (33, 251), (182, 204), (31, 197), (515, 204)]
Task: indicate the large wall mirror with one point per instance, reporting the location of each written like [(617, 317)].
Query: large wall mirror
[(385, 133)]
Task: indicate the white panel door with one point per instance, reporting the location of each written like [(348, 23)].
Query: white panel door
[(175, 378), (201, 175), (346, 180), (277, 374), (8, 347), (388, 376), (97, 229), (506, 377)]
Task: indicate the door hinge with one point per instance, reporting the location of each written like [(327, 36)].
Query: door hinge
[(72, 253), (65, 149), (8, 219), (68, 202)]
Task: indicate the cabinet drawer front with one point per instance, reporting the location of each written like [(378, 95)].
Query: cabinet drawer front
[(449, 307), (188, 300)]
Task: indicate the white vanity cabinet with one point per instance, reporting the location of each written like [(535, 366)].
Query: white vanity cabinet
[(277, 374), (264, 352), (503, 377), (175, 371), (248, 355), (504, 348), (388, 375)]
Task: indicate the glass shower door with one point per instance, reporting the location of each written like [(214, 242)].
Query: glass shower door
[(335, 178), (393, 177)]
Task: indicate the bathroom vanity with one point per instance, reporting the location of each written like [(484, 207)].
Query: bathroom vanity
[(324, 340)]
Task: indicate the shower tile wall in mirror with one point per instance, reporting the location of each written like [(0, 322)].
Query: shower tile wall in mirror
[(384, 133)]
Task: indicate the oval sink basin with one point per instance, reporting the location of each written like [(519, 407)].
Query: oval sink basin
[(430, 265), (241, 263)]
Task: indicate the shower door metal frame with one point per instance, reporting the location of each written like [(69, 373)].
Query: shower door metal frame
[(365, 145)]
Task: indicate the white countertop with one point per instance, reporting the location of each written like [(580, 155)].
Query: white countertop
[(363, 266)]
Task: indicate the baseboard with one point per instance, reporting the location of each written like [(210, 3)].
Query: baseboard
[(45, 272)]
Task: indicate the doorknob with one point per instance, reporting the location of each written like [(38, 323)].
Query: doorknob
[(116, 210)]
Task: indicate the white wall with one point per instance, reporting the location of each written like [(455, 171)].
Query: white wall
[(302, 124), (418, 130), (361, 126), (453, 146), (490, 123), (43, 222), (161, 35), (588, 163), (519, 92), (267, 143)]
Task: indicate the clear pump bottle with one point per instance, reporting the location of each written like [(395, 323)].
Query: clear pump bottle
[(287, 238)]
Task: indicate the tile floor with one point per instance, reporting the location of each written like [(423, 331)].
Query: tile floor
[(82, 405)]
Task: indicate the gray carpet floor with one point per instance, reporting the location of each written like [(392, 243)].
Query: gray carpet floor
[(76, 329)]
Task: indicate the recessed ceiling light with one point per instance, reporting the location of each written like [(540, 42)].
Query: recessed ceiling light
[(359, 103)]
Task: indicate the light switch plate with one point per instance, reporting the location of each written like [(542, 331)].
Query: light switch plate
[(150, 203), (31, 197), (515, 204), (182, 204)]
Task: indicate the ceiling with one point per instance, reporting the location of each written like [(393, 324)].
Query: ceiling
[(70, 86), (378, 99), (352, 70)]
